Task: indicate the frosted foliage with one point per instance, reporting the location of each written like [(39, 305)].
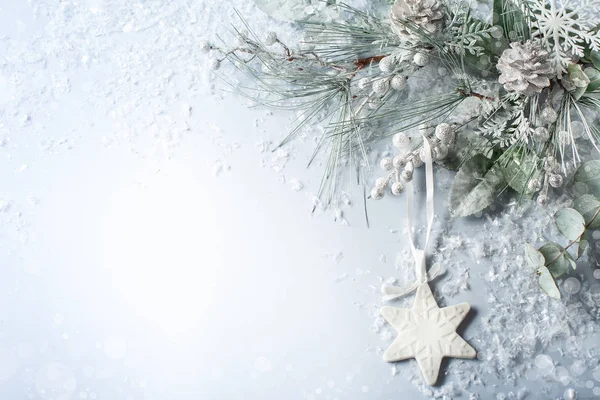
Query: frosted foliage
[(564, 28)]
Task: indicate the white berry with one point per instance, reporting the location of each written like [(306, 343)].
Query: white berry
[(541, 134), (381, 183), (377, 193), (421, 59), (549, 115), (444, 132), (205, 47), (398, 82), (399, 162), (406, 175), (386, 163), (270, 38), (401, 141), (397, 188), (381, 86), (555, 180), (363, 83), (534, 185), (387, 64), (214, 64), (542, 199)]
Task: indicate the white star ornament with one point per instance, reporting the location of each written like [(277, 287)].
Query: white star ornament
[(427, 333)]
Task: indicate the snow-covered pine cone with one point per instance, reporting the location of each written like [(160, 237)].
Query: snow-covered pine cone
[(525, 68), (426, 14)]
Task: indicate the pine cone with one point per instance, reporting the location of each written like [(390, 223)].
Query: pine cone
[(426, 14), (525, 68)]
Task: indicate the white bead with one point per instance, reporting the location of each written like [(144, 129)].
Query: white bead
[(542, 199), (363, 83), (381, 86), (205, 46), (397, 188), (401, 141), (399, 162), (541, 134), (410, 166), (377, 193), (421, 59), (444, 132), (270, 38), (387, 64), (406, 175), (386, 163), (555, 180), (549, 115), (214, 64), (381, 183), (398, 82)]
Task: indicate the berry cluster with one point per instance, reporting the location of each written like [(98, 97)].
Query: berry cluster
[(400, 168)]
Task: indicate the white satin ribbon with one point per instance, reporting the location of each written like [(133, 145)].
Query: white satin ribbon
[(419, 255)]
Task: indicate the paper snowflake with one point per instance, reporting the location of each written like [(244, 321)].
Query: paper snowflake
[(565, 28)]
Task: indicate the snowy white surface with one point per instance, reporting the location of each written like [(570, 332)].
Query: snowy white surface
[(153, 247)]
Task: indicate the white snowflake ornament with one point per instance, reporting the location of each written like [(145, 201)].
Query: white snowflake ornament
[(427, 333), (565, 28)]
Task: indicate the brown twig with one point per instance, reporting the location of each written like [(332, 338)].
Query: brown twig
[(475, 94), (363, 62), (288, 53)]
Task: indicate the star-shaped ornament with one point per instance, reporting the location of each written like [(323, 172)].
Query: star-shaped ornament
[(427, 333)]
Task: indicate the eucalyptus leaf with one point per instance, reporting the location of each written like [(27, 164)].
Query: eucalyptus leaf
[(533, 258), (547, 283), (475, 186), (587, 178), (589, 207), (570, 223), (557, 259), (594, 75), (576, 81), (519, 171), (584, 243)]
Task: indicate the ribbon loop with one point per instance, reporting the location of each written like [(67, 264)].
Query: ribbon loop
[(419, 255)]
